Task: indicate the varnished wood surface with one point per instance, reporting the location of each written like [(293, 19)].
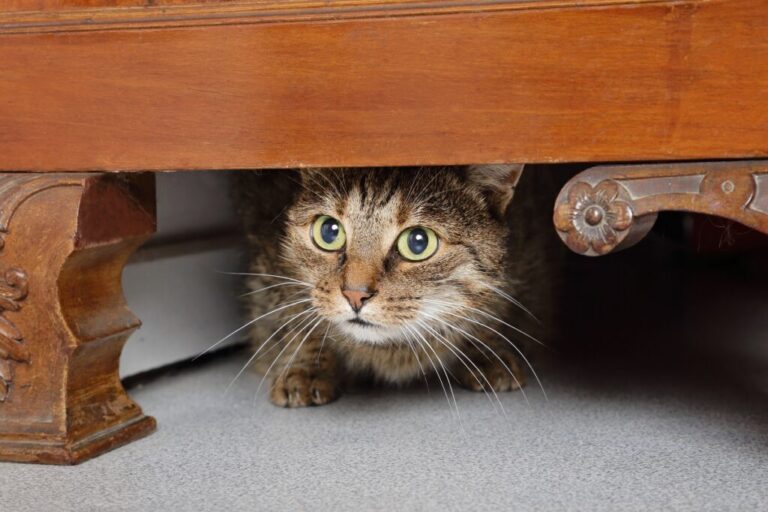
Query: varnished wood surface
[(502, 81), (606, 208), (57, 5), (63, 318), (244, 5), (87, 15)]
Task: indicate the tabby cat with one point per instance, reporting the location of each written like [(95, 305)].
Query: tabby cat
[(395, 274)]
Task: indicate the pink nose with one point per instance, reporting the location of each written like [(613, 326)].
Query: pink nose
[(356, 298)]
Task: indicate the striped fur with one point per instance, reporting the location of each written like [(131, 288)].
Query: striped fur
[(444, 317)]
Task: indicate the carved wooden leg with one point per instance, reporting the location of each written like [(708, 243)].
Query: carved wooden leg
[(64, 239), (607, 208)]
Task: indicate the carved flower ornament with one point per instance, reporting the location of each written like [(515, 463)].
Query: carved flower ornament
[(591, 217), (13, 290)]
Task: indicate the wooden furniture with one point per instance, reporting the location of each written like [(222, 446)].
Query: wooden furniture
[(63, 321), (613, 207), (100, 86)]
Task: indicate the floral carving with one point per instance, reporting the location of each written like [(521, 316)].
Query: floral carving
[(593, 217), (13, 290)]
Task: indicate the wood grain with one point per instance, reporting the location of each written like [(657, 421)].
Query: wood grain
[(77, 15), (609, 208), (63, 319), (177, 7), (538, 83)]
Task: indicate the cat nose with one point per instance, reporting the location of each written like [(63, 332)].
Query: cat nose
[(357, 298)]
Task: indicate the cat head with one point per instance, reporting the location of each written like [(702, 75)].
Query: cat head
[(383, 248)]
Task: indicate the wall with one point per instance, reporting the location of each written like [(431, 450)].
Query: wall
[(177, 283)]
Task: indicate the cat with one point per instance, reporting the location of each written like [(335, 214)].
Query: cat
[(394, 274)]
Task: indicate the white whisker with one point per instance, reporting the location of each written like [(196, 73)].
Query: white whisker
[(421, 344), (249, 323), (470, 337), (322, 344), (272, 286), (459, 354), (409, 342), (303, 323), (445, 371), (487, 315), (277, 358), (264, 344), (511, 344), (504, 295), (301, 344), (256, 274)]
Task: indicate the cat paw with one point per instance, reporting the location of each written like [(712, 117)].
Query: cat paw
[(301, 388), (493, 372)]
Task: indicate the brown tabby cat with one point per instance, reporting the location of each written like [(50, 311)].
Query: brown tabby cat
[(394, 274)]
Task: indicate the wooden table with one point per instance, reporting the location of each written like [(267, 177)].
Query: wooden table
[(95, 93)]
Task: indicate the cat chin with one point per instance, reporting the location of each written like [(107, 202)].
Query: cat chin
[(369, 334)]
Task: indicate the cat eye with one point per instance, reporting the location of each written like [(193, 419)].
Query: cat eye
[(417, 243), (328, 233)]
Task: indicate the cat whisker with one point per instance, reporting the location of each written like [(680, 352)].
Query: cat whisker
[(459, 355), (419, 198), (275, 276), (478, 369), (340, 177), (409, 342), (407, 198), (301, 344), (421, 342), (301, 324), (276, 343), (435, 334), (277, 358), (254, 292), (472, 339), (264, 344), (445, 371), (487, 315), (331, 189), (322, 344), (511, 344), (290, 296), (504, 295), (249, 323), (322, 189)]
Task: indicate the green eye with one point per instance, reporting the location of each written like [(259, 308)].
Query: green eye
[(328, 233), (417, 244)]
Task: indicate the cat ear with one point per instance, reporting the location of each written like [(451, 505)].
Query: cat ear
[(497, 182)]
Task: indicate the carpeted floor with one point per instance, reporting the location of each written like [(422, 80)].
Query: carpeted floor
[(609, 438), (656, 402)]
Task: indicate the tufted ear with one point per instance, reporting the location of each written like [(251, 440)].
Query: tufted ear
[(497, 182)]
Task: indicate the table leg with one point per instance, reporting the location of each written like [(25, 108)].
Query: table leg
[(64, 239)]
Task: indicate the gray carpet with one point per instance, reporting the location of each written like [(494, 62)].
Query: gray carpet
[(608, 439)]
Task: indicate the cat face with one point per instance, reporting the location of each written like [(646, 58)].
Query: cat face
[(383, 247)]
